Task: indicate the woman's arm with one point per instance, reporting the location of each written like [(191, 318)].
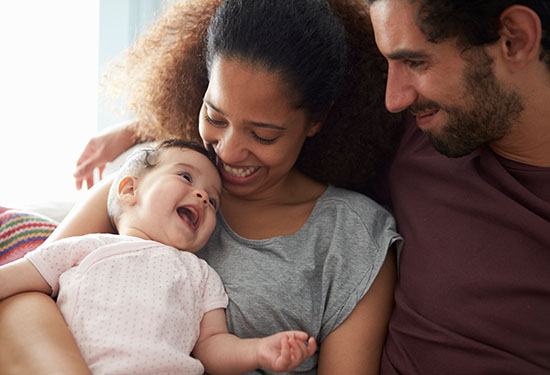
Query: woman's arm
[(88, 216), (355, 347), (33, 335), (35, 339), (103, 148), (223, 353)]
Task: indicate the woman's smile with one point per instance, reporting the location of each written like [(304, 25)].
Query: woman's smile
[(237, 175)]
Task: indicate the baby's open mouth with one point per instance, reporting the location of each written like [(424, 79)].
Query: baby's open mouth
[(189, 215)]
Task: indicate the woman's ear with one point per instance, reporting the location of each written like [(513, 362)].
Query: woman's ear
[(520, 35), (127, 192), (314, 128)]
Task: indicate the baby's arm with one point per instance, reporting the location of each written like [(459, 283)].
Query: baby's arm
[(21, 276), (224, 353)]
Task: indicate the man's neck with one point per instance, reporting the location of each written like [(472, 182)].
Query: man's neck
[(529, 140), (532, 148)]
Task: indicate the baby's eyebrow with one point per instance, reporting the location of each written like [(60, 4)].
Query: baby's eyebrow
[(188, 166)]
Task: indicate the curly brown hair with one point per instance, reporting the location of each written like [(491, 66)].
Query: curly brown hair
[(165, 77)]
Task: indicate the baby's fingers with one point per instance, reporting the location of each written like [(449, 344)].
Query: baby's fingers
[(300, 350)]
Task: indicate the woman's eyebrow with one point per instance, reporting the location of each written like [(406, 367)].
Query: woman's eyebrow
[(213, 107), (253, 123)]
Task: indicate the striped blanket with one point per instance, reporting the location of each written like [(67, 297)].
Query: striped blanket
[(21, 232)]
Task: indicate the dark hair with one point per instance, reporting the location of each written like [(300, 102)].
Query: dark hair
[(143, 160), (165, 77), (150, 161), (324, 52), (302, 41), (475, 23)]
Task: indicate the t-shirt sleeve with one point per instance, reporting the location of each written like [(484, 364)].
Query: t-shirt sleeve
[(214, 295), (52, 259), (363, 233)]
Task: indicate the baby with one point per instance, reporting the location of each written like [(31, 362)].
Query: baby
[(141, 302)]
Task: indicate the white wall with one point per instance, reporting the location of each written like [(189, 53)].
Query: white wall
[(48, 95), (52, 55), (120, 23)]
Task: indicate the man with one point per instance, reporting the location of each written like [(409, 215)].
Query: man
[(474, 289)]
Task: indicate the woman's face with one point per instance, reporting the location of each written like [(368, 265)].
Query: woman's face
[(250, 120)]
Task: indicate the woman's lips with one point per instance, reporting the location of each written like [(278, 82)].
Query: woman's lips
[(237, 175)]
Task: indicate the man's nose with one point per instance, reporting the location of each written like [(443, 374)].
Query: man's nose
[(400, 90)]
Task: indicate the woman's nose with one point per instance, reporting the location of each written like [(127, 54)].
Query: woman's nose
[(400, 91), (231, 147)]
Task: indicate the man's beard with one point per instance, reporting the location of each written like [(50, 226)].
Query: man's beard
[(488, 115)]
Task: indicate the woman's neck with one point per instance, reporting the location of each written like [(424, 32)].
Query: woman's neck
[(281, 211)]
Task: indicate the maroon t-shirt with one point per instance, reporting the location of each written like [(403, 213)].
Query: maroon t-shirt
[(473, 295)]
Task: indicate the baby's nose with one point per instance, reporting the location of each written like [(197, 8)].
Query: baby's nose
[(202, 195)]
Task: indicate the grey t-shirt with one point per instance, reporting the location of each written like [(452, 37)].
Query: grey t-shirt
[(310, 280)]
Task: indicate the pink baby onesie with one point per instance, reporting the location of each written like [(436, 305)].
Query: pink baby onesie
[(133, 306)]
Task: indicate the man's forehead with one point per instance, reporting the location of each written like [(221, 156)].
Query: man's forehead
[(394, 24)]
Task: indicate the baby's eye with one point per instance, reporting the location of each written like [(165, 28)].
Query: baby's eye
[(186, 176), (213, 203)]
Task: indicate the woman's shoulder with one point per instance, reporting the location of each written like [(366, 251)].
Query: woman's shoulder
[(351, 200), (355, 210)]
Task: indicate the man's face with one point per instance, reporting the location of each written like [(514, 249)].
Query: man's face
[(454, 95)]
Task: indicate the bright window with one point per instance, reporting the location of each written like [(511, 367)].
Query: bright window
[(48, 87)]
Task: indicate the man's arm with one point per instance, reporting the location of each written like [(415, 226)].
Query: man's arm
[(21, 276)]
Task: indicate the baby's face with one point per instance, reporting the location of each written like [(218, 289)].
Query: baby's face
[(178, 199)]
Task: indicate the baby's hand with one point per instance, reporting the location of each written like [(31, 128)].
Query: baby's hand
[(283, 351)]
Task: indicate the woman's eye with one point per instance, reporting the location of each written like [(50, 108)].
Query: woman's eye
[(265, 141), (213, 203), (186, 176), (212, 121)]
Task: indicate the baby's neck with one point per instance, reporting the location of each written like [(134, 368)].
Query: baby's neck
[(132, 231)]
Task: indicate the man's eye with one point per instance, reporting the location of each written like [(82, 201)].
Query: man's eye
[(186, 176), (414, 64), (213, 203)]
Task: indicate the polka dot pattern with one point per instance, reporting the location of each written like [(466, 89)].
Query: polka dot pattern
[(133, 306)]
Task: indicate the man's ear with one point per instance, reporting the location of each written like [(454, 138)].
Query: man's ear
[(520, 35), (126, 190)]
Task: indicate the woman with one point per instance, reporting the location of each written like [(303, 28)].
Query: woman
[(288, 118)]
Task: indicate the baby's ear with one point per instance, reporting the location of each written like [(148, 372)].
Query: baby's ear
[(127, 190)]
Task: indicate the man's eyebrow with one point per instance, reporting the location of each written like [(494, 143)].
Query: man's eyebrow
[(258, 124), (406, 54)]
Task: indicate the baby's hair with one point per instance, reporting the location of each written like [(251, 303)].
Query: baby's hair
[(142, 161)]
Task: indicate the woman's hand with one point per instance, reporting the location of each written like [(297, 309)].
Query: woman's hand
[(101, 149)]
